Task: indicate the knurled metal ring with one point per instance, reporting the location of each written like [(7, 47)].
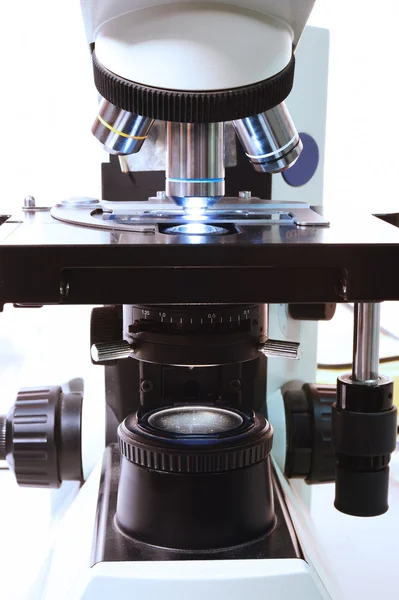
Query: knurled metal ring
[(194, 107), (152, 451)]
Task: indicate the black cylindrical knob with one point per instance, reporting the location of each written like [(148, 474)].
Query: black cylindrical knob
[(195, 477), (364, 436), (362, 493), (41, 437), (309, 452)]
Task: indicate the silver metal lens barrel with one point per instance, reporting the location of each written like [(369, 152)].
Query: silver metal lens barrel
[(195, 169), (119, 131), (366, 344), (270, 140)]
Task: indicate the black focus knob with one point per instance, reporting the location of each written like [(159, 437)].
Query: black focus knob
[(41, 437), (364, 436), (308, 413)]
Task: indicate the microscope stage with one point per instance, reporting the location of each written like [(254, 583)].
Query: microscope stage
[(262, 252)]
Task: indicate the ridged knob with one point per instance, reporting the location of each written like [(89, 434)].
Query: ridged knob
[(144, 444), (111, 351), (105, 326), (41, 437), (3, 433), (275, 348)]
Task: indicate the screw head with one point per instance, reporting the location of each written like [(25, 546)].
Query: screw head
[(147, 386), (29, 202), (64, 289)]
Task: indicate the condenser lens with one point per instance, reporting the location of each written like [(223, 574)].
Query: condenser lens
[(195, 420), (196, 229)]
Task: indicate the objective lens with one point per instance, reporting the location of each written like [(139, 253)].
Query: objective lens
[(270, 140), (195, 420), (195, 173), (119, 131)]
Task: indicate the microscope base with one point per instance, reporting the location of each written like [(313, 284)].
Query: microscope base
[(257, 579)]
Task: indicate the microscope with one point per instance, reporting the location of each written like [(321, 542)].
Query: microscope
[(208, 295)]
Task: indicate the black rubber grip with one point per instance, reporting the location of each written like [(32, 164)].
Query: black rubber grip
[(362, 494), (364, 434), (194, 107)]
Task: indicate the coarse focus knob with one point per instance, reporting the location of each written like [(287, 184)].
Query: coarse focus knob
[(364, 433), (41, 437), (275, 348), (308, 414), (111, 351)]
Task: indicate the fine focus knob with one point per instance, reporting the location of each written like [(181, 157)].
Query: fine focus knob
[(275, 348), (109, 351), (41, 437), (364, 428)]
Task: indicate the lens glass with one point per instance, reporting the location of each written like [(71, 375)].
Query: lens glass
[(195, 420), (196, 229)]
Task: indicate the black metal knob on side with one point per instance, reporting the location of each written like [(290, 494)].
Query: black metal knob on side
[(41, 437), (364, 436), (310, 453)]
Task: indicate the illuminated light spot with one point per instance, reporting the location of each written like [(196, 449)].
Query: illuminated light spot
[(196, 229)]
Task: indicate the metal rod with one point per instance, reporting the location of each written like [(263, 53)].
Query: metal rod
[(107, 351), (366, 342)]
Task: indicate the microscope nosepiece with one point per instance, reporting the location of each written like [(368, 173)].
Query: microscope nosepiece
[(270, 140), (119, 131)]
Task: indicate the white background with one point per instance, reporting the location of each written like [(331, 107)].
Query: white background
[(47, 103), (362, 123)]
